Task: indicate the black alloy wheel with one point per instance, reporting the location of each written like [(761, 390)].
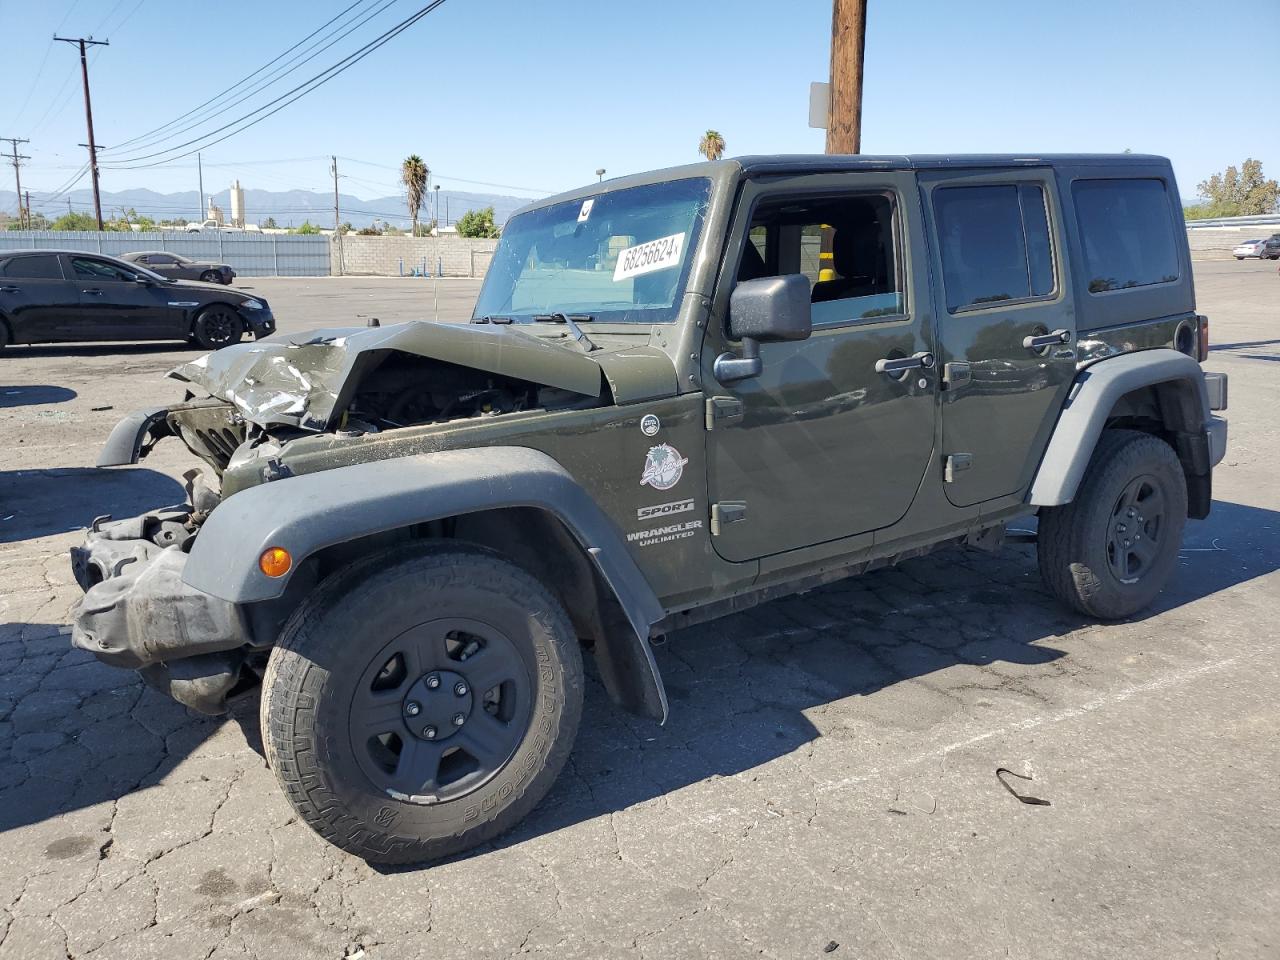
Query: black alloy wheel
[(421, 701), (1133, 535), (440, 710), (217, 326)]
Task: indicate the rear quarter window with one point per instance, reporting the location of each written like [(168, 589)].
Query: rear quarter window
[(1127, 232)]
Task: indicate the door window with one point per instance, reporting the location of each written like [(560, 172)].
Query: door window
[(995, 244), (99, 270), (865, 279), (43, 267)]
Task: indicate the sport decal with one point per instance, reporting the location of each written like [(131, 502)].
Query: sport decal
[(663, 467), (664, 509)]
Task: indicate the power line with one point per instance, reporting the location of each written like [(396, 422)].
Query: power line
[(284, 99), (256, 75)]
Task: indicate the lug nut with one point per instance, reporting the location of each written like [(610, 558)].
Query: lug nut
[(432, 682), (460, 689), (412, 709), (1120, 528), (429, 733), (459, 719)]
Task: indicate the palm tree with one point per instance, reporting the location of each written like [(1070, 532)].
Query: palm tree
[(711, 145), (413, 174)]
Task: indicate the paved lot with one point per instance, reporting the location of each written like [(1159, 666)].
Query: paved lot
[(827, 781)]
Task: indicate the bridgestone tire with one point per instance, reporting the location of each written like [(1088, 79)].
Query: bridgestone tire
[(333, 639), (1073, 540)]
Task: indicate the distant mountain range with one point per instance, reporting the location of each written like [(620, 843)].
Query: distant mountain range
[(286, 207)]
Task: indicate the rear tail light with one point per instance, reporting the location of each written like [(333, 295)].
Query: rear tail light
[(1202, 341)]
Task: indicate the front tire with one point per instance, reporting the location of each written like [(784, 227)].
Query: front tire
[(1112, 549), (216, 327), (365, 689), (211, 276)]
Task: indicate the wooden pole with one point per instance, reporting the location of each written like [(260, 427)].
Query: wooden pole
[(848, 42)]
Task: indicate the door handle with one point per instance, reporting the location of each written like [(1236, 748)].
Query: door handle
[(95, 292), (8, 289), (1046, 340), (917, 361)]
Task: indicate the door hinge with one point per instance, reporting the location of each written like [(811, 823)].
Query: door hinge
[(723, 514), (722, 411), (955, 375), (956, 463)]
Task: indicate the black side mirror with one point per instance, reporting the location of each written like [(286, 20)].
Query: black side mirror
[(760, 311)]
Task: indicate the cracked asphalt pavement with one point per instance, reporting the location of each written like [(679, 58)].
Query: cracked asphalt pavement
[(825, 787)]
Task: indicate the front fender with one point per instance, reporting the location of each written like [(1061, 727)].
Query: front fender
[(308, 513), (1094, 395)]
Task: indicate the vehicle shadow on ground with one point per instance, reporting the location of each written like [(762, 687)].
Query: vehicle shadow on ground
[(36, 395), (101, 349), (1243, 345), (739, 688), (38, 503)]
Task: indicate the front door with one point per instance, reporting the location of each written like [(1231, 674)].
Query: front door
[(115, 306), (1006, 330), (820, 446)]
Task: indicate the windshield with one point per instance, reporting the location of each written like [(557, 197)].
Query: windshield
[(619, 257)]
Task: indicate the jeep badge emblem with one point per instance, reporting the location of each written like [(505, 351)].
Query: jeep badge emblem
[(663, 467), (650, 425)]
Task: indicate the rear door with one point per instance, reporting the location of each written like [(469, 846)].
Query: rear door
[(1007, 325), (34, 296), (115, 306)]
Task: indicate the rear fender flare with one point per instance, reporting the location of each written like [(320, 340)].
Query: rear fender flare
[(1093, 397), (308, 513)]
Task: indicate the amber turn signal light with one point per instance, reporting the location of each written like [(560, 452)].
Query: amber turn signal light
[(275, 561)]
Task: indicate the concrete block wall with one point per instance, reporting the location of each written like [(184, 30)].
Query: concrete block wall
[(449, 256), (1215, 243)]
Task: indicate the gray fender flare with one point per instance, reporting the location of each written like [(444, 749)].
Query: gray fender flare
[(1092, 398), (307, 513), (124, 445)]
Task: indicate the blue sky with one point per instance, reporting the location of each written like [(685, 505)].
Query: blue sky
[(538, 94)]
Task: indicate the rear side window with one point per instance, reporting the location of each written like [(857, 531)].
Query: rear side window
[(995, 244), (1126, 229), (32, 268)]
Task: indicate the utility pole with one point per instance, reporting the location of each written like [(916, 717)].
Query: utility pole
[(88, 115), (848, 42), (337, 221), (28, 209), (436, 217), (200, 199), (17, 159)]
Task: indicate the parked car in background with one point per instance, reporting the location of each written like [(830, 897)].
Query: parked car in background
[(1248, 248), (1271, 247), (65, 296), (213, 226), (174, 267)]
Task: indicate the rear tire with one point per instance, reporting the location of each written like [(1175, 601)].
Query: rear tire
[(1112, 549), (4, 335), (211, 276), (370, 754), (216, 327)]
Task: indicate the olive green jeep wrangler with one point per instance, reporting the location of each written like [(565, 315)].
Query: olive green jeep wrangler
[(681, 393)]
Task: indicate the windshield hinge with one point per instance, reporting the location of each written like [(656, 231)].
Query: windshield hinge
[(722, 411)]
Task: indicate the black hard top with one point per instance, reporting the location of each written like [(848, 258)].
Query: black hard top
[(818, 163)]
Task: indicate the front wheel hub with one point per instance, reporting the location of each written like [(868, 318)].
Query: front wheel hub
[(438, 705)]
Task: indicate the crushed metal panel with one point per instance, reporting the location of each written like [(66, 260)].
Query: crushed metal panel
[(300, 379)]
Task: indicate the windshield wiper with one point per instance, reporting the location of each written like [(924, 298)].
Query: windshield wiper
[(490, 319), (570, 321)]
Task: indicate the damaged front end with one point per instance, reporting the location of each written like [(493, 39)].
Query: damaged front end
[(245, 408), (137, 613)]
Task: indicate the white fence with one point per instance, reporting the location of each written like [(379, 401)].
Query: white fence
[(249, 254)]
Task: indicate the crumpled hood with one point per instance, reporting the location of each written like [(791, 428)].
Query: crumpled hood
[(302, 379)]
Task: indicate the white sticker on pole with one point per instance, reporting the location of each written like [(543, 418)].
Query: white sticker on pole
[(660, 254), (585, 212)]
